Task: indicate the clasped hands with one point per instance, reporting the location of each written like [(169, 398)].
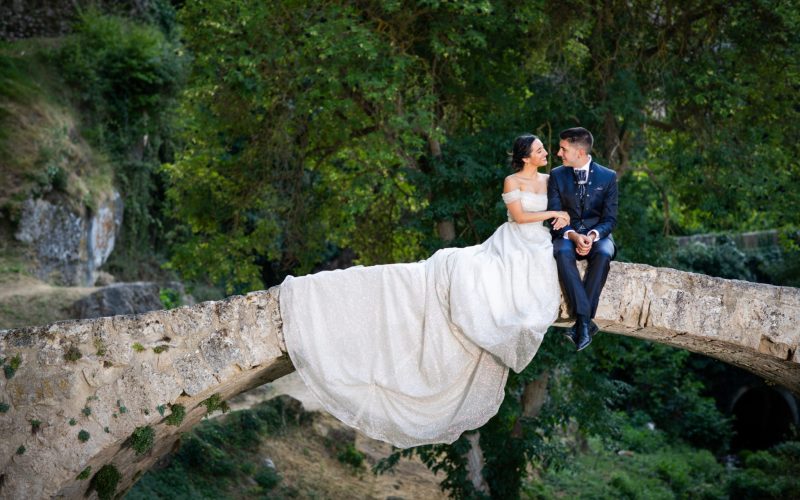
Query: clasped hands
[(583, 243)]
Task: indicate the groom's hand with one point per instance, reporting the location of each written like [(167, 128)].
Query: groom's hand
[(584, 245), (582, 242)]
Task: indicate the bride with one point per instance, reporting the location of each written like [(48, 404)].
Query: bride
[(418, 353)]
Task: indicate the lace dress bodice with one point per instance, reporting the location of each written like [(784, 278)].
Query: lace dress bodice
[(531, 202)]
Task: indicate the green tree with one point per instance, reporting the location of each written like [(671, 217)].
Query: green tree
[(317, 127)]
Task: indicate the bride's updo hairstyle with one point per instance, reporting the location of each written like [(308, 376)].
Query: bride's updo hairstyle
[(521, 150)]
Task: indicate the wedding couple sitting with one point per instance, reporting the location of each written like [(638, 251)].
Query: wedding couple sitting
[(582, 201), (418, 353)]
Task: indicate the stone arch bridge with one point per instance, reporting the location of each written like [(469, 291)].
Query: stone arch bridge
[(74, 392)]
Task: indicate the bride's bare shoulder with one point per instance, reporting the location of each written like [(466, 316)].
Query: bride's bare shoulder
[(510, 183)]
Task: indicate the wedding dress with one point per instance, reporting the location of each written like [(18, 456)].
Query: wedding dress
[(418, 353)]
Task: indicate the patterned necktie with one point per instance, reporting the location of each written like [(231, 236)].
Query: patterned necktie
[(580, 177)]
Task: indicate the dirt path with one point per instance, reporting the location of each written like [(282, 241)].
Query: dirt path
[(27, 301)]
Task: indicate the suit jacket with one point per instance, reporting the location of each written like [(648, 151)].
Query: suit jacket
[(598, 209)]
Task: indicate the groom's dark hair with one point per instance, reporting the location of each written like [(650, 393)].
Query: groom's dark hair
[(578, 136)]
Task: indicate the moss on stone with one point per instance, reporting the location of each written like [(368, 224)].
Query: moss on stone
[(161, 348), (142, 439), (83, 436), (73, 354), (84, 473), (215, 403), (4, 407), (105, 482), (86, 411), (160, 409), (11, 366), (137, 347), (21, 450), (72, 421), (35, 425), (176, 417), (100, 346)]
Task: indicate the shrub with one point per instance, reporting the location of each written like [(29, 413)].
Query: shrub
[(214, 403), (84, 474), (769, 473), (105, 482), (83, 436), (351, 456), (723, 259), (142, 439), (176, 417), (267, 478), (170, 298)]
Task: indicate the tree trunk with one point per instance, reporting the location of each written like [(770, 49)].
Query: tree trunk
[(475, 463), (534, 396), (446, 228)]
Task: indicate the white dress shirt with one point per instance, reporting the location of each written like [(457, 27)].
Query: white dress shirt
[(585, 168)]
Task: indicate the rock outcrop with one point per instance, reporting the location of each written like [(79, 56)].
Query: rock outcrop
[(112, 377), (119, 299), (69, 246)]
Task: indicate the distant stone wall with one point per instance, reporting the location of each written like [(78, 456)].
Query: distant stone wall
[(746, 242), (46, 18), (35, 18)]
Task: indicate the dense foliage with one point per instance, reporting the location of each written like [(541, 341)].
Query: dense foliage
[(126, 76), (380, 126), (216, 456)]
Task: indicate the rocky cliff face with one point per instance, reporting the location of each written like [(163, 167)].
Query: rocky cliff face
[(68, 246)]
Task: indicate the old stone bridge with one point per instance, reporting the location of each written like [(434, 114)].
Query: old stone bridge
[(74, 393)]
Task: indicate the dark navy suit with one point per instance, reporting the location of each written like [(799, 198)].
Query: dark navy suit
[(597, 210)]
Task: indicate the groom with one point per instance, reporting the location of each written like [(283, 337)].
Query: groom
[(587, 191)]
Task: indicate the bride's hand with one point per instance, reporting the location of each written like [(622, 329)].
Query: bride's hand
[(560, 220)]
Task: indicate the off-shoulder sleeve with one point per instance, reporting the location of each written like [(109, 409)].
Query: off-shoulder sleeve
[(512, 196)]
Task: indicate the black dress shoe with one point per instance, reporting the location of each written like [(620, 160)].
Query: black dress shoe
[(569, 334), (593, 328), (583, 338)]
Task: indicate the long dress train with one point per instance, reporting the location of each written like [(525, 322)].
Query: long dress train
[(418, 353)]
